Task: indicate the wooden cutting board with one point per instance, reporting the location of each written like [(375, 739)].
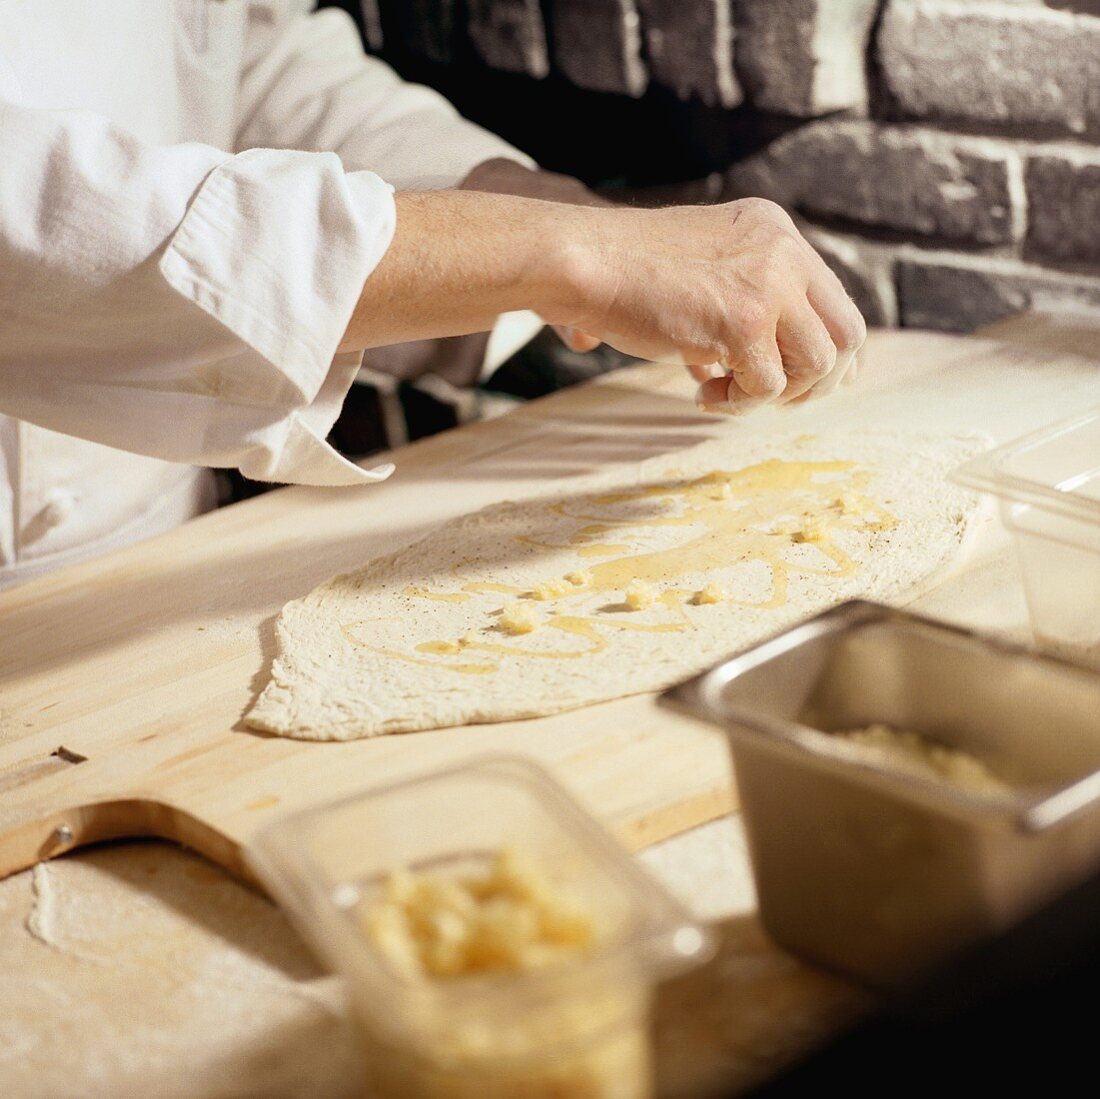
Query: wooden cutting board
[(123, 681)]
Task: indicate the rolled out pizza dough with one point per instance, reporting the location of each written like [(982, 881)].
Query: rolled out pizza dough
[(616, 584)]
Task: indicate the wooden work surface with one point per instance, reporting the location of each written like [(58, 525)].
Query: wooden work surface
[(143, 662), (138, 970)]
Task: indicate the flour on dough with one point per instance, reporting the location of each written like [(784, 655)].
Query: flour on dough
[(782, 527)]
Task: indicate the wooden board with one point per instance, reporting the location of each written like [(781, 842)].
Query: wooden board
[(123, 681)]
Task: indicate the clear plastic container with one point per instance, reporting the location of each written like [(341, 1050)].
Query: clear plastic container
[(578, 1029), (1048, 487)]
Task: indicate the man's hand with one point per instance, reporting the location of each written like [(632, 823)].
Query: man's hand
[(734, 292), (734, 285)]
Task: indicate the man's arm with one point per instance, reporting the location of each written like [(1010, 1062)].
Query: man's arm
[(508, 177), (459, 361), (734, 284)]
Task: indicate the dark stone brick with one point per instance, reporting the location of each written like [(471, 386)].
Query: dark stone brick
[(1063, 200), (1014, 65), (509, 35), (804, 57), (897, 178), (689, 46), (1081, 7), (597, 44), (959, 294), (423, 27)]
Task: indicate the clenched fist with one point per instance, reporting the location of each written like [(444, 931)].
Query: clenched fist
[(734, 292)]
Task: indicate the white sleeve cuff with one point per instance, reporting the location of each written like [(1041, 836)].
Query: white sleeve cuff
[(276, 246), (296, 451)]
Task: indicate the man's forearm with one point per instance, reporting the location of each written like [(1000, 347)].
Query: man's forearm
[(457, 261), (460, 360)]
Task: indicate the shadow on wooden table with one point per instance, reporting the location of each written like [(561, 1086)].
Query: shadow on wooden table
[(192, 934), (216, 578), (718, 1030), (750, 1012)]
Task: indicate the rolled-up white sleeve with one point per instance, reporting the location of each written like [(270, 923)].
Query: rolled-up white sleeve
[(307, 84), (180, 301)]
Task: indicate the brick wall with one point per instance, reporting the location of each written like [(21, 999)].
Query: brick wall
[(944, 155)]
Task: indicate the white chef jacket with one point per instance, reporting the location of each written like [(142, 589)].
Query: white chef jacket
[(192, 193)]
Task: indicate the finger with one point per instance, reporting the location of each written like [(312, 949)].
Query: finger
[(712, 397), (703, 372), (809, 353), (758, 371), (838, 378), (755, 378), (576, 339), (839, 315), (842, 373), (845, 374), (582, 341), (693, 356)]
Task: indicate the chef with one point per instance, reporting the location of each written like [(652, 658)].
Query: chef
[(209, 209)]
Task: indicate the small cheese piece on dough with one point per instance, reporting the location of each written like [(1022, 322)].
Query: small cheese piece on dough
[(517, 618), (580, 578), (639, 595), (710, 593), (812, 531), (550, 589)]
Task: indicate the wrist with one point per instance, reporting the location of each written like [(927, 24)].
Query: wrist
[(458, 259), (570, 257)]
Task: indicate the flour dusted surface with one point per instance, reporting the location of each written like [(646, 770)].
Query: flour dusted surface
[(783, 527)]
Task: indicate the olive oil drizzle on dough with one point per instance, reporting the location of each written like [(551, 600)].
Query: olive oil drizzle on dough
[(467, 669), (753, 514)]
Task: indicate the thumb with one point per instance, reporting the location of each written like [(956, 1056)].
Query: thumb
[(575, 339)]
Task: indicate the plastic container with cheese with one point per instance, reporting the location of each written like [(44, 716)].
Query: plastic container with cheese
[(573, 1029)]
